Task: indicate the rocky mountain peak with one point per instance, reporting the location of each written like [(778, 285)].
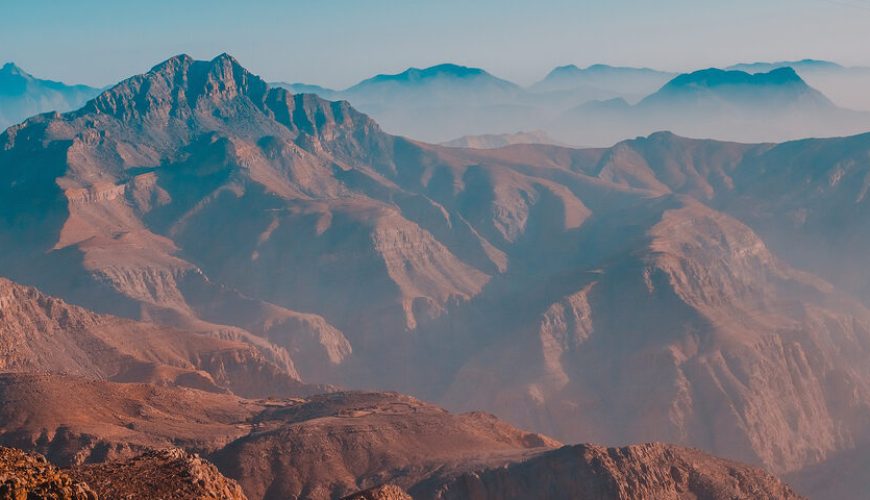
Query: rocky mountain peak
[(180, 83)]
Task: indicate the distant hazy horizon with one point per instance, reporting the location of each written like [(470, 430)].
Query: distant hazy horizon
[(336, 44)]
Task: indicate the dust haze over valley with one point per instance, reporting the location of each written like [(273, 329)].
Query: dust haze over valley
[(615, 282)]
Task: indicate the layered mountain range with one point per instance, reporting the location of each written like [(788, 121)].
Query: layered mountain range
[(260, 243), (600, 105)]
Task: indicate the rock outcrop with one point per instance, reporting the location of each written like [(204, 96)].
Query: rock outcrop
[(385, 492), (169, 473), (29, 475), (598, 473)]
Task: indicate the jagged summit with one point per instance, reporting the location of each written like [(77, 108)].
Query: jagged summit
[(11, 68), (181, 81)]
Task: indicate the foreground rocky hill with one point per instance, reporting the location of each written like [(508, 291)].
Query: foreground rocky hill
[(383, 445), (29, 475), (169, 473)]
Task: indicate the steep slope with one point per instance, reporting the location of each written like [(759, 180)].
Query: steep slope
[(692, 323), (44, 334), (22, 95), (169, 473)]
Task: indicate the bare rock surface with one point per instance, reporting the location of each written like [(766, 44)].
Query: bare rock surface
[(170, 474), (599, 473), (385, 492), (29, 475)]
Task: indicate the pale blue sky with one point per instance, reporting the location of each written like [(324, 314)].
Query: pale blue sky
[(338, 42)]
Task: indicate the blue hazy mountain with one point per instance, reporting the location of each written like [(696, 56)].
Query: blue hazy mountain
[(602, 82), (779, 88), (305, 88), (803, 65), (729, 105), (22, 95), (845, 85)]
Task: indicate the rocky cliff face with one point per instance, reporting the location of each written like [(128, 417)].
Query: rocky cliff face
[(45, 334), (595, 472)]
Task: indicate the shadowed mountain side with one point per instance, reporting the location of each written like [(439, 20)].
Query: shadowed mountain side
[(689, 321)]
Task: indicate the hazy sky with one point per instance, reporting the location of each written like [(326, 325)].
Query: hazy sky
[(338, 42)]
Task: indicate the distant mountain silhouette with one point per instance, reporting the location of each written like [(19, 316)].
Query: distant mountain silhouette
[(729, 105), (803, 65), (22, 95), (492, 141), (601, 81), (777, 89), (846, 86)]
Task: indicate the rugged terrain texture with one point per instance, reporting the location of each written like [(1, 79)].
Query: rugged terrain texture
[(595, 472), (386, 492), (332, 445), (73, 420), (45, 334), (169, 473), (29, 475)]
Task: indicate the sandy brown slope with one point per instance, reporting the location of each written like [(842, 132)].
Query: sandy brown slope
[(74, 420), (44, 334), (332, 445)]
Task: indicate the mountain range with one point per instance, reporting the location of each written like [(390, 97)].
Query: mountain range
[(600, 104), (196, 257), (22, 95)]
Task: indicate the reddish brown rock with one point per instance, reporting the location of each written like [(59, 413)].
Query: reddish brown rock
[(598, 473), (29, 475), (170, 473), (385, 492)]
